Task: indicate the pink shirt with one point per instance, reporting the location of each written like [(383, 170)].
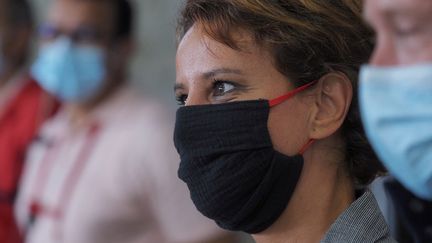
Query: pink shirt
[(121, 181)]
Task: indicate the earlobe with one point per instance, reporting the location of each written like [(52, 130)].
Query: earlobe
[(334, 93)]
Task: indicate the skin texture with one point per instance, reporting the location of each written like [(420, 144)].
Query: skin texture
[(68, 16), (209, 72), (404, 31)]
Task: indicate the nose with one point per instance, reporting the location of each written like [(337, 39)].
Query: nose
[(384, 53), (196, 98)]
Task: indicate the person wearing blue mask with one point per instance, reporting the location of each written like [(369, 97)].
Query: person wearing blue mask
[(396, 105), (103, 169)]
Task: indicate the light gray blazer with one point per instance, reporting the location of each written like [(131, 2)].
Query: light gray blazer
[(362, 222)]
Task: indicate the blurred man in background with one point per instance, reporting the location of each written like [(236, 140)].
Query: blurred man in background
[(396, 102), (104, 168), (23, 106)]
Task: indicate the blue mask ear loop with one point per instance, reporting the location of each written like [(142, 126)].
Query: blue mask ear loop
[(283, 98)]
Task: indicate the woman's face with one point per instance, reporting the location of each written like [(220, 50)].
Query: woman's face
[(209, 72)]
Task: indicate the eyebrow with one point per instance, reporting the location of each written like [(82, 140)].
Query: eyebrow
[(215, 72), (211, 74)]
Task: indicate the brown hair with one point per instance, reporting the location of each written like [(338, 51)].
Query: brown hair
[(307, 39)]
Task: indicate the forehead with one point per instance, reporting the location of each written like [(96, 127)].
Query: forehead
[(197, 40), (72, 13), (199, 51), (201, 58), (374, 8)]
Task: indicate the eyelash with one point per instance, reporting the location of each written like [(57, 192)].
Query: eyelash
[(181, 99), (217, 82)]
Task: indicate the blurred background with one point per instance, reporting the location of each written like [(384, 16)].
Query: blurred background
[(153, 66)]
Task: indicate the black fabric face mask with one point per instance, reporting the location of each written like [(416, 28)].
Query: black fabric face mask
[(228, 162)]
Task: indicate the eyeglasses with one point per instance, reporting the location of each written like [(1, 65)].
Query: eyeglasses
[(81, 35)]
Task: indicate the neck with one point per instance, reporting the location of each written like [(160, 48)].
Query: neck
[(77, 113), (323, 192), (80, 112)]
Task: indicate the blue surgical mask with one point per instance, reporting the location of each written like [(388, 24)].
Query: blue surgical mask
[(73, 73), (396, 106)]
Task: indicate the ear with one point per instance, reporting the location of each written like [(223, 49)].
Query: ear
[(124, 48), (334, 94), (120, 53)]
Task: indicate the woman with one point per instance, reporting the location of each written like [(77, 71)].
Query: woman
[(270, 137)]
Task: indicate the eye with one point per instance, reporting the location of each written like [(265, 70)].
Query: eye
[(404, 31), (406, 25), (87, 35), (48, 32), (221, 87), (181, 99)]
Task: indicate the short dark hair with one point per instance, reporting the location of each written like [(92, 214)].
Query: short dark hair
[(16, 15), (307, 39), (124, 18), (18, 12)]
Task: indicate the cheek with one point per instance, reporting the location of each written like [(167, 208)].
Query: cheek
[(288, 127), (416, 50)]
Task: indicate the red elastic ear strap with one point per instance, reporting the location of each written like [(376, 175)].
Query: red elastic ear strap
[(286, 96), (306, 146)]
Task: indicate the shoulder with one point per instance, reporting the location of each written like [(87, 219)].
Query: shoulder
[(361, 222), (413, 215)]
